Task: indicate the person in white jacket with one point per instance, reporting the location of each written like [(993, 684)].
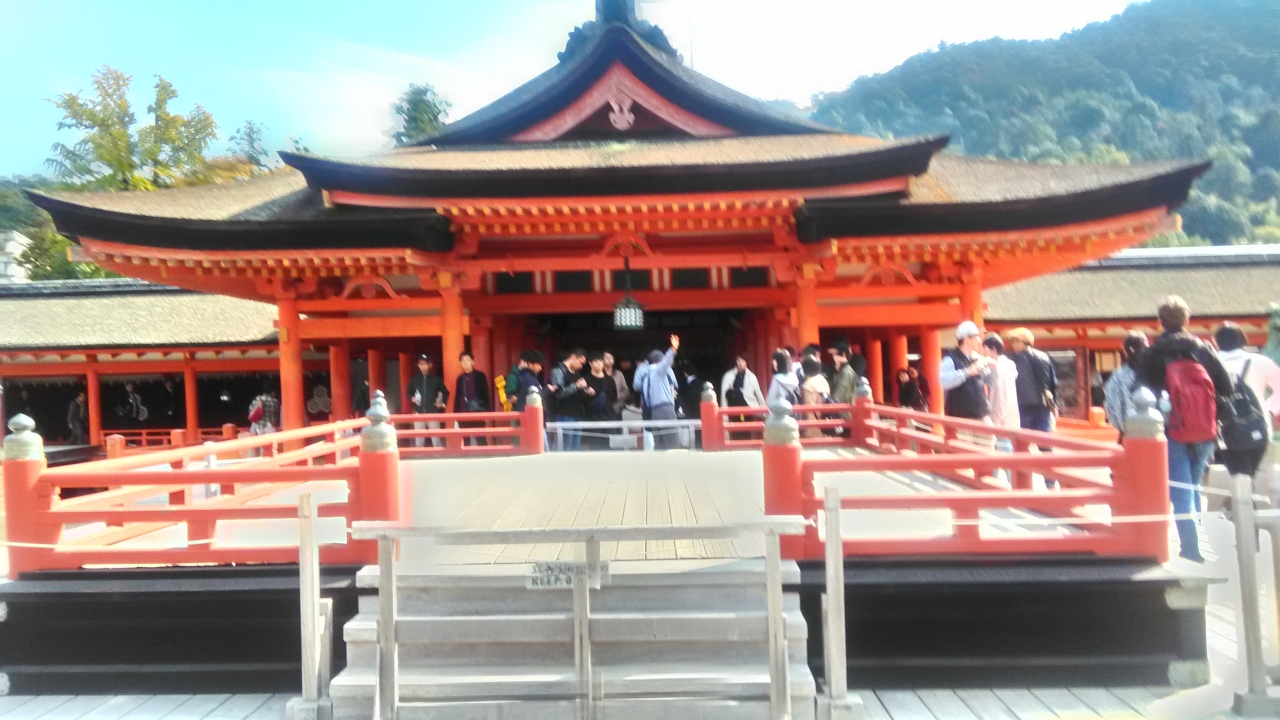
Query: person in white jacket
[(1262, 376), (740, 388)]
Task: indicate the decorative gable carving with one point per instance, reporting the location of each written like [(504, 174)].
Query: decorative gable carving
[(623, 94)]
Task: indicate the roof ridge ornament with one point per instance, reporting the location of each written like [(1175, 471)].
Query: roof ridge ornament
[(621, 13)]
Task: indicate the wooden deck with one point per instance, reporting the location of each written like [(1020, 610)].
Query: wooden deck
[(926, 704)]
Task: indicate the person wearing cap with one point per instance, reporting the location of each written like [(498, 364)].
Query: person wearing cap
[(962, 374), (1037, 381), (428, 395)]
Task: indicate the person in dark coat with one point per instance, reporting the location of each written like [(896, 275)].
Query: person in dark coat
[(471, 394), (428, 395), (78, 418)]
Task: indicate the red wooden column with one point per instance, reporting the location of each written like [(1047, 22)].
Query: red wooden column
[(192, 400), (971, 295), (377, 372), (93, 388), (875, 367), (897, 359), (406, 367), (480, 336), (293, 410), (931, 364), (340, 379), (451, 335), (807, 309)]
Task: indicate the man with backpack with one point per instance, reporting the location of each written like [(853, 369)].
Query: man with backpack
[(1256, 401), (1193, 386)]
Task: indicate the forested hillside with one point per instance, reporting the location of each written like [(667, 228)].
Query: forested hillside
[(1165, 79)]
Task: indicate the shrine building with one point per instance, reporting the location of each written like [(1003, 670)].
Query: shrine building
[(741, 227)]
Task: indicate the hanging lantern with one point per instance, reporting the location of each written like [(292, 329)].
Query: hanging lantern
[(627, 314)]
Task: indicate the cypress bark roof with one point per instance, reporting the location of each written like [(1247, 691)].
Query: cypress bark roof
[(125, 313)]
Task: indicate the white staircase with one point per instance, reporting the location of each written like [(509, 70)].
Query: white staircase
[(669, 640)]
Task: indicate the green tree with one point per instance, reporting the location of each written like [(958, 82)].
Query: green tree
[(48, 258), (422, 111), (112, 154), (247, 143)]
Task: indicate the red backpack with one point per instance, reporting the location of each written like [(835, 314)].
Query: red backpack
[(1193, 416)]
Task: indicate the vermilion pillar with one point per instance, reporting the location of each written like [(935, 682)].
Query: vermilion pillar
[(806, 312), (930, 364), (192, 399), (480, 330), (293, 411), (451, 338), (897, 359), (875, 368), (406, 367), (340, 379), (377, 372), (971, 295), (93, 388)]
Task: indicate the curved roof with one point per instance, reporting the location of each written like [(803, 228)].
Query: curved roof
[(612, 167), (962, 194), (553, 90), (275, 211)]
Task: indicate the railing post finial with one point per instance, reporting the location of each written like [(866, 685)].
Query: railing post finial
[(380, 434), (781, 428), (533, 398), (708, 392), (1144, 420), (23, 443)]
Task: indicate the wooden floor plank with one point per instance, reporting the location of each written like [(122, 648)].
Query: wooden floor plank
[(705, 512), (573, 493), (615, 501), (1101, 701), (658, 512), (985, 704), (196, 707), (78, 707), (904, 705), (13, 702), (238, 707), (871, 705), (117, 707), (633, 513), (272, 709), (1062, 702), (156, 707), (1024, 705), (588, 515), (544, 507), (1138, 698), (39, 706), (946, 704), (735, 505)]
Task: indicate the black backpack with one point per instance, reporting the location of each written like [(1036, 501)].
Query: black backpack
[(1246, 428)]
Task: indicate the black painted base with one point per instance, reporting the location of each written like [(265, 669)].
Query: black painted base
[(171, 630), (1007, 623)]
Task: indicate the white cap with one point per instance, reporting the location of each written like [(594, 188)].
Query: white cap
[(967, 329)]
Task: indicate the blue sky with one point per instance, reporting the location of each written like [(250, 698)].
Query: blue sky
[(328, 71)]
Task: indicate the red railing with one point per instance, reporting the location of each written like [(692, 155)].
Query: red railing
[(742, 428), (139, 495), (985, 500), (128, 442), (470, 434)]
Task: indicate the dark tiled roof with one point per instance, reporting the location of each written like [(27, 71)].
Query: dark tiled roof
[(278, 195), (126, 314), (548, 93), (956, 178), (610, 167), (966, 195), (1128, 292)]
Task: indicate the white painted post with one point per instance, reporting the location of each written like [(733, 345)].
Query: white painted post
[(779, 682), (326, 645), (388, 655), (309, 597), (582, 632), (1257, 702), (840, 706)]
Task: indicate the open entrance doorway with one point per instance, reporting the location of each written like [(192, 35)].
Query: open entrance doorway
[(707, 338)]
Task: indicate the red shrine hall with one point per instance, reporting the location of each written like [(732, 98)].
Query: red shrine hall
[(740, 227)]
